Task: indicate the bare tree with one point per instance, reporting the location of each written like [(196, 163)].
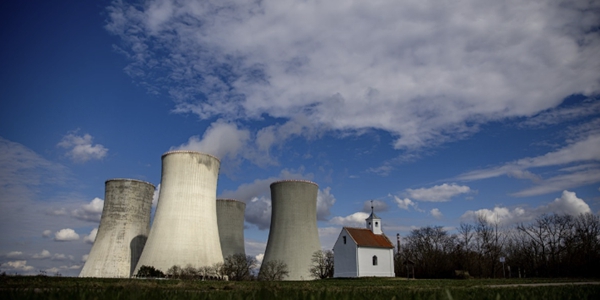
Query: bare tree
[(466, 234), (273, 270), (585, 244), (239, 266), (489, 243), (189, 272), (218, 270), (551, 239), (433, 250), (174, 272), (322, 264)]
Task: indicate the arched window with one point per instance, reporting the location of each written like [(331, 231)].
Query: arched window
[(344, 240), (374, 260), (376, 224)]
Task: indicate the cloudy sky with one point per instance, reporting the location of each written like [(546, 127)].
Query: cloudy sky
[(437, 111)]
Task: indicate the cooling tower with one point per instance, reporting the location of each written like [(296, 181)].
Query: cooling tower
[(230, 217), (123, 229), (184, 230), (293, 236)]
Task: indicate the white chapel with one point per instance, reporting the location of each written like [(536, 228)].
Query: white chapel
[(364, 252)]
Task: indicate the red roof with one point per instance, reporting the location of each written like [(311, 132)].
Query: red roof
[(366, 238)]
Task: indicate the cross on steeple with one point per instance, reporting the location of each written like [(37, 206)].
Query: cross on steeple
[(373, 221)]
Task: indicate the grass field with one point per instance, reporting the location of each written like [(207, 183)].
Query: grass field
[(369, 288)]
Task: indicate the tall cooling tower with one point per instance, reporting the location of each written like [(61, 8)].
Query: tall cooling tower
[(185, 228), (123, 229), (293, 236), (230, 217)]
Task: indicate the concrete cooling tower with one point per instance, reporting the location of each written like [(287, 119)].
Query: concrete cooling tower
[(293, 236), (123, 229), (185, 228), (230, 218)]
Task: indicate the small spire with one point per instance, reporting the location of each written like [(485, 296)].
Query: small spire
[(371, 206)]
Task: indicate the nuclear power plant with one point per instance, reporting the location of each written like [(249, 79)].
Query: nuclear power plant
[(185, 230), (230, 219), (191, 227), (123, 229), (293, 235)]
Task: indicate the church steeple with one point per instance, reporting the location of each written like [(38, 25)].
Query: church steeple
[(374, 222)]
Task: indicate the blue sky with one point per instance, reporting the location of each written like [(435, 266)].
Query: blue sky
[(437, 112)]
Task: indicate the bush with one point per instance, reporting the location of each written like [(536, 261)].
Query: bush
[(149, 272)]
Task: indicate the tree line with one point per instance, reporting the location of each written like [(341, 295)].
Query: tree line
[(237, 267), (552, 245), (240, 267)]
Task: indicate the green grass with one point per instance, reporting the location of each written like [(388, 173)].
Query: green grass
[(369, 288)]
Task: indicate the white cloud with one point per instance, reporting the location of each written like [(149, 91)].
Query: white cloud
[(66, 234), (576, 152), (277, 135), (426, 72), (558, 115), (328, 236), (14, 254), (404, 203), (499, 215), (42, 255), (84, 258), (47, 233), (59, 256), (568, 203), (383, 170), (254, 248), (325, 200), (53, 270), (356, 219), (91, 211), (57, 211), (438, 193), (259, 258), (436, 213), (589, 174), (20, 265), (231, 143), (577, 158), (378, 206), (80, 148), (90, 238), (155, 196), (258, 212), (222, 139)]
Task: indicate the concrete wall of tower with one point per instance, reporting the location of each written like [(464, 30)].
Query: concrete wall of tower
[(123, 229), (230, 219), (293, 235), (185, 230)]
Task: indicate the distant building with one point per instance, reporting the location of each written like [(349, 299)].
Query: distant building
[(364, 252)]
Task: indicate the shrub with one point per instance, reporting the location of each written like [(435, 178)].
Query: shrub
[(149, 272)]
